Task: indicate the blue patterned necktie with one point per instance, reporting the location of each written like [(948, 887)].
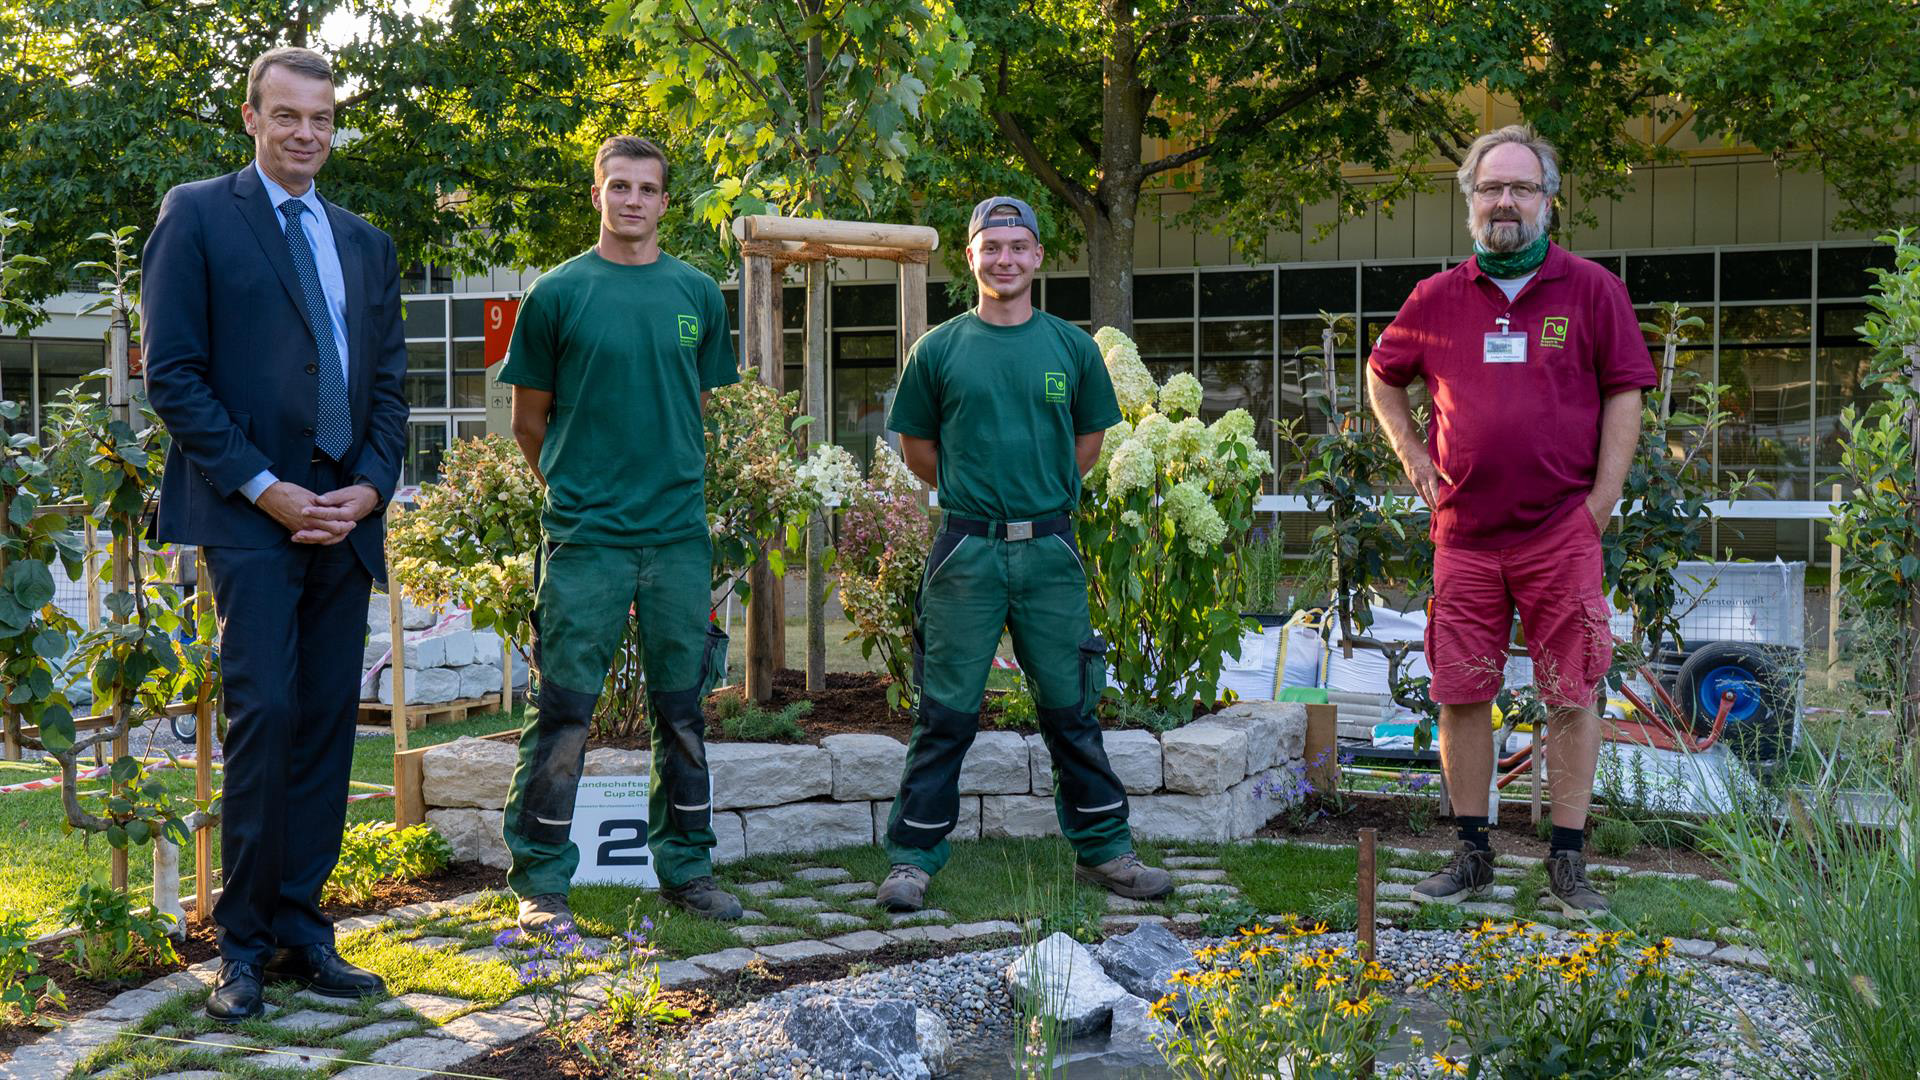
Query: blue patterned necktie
[(333, 427)]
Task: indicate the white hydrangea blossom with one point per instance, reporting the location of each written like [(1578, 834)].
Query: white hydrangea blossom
[(1153, 430), (1181, 395), (1131, 518), (1132, 384), (1190, 443), (1117, 434), (1132, 468), (1194, 518), (890, 473), (1107, 337), (829, 475)]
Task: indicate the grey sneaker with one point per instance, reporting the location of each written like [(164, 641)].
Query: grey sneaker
[(1570, 889), (1466, 876), (1127, 876), (705, 899), (905, 888), (539, 914)]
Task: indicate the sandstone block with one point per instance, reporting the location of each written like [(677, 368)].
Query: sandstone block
[(767, 774), (1203, 758), (468, 772), (865, 766), (807, 826)]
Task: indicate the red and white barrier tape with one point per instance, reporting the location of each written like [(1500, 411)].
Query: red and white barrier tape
[(1005, 664)]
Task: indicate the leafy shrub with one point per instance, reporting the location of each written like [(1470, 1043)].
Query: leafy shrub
[(1165, 511), (753, 724), (1614, 837), (114, 940), (1015, 710), (1226, 915), (374, 851), (1612, 1007), (23, 990), (885, 535), (1253, 1006), (472, 539)]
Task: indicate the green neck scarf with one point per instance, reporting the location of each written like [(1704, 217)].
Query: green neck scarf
[(1512, 264)]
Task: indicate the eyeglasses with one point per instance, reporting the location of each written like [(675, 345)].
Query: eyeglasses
[(1522, 190)]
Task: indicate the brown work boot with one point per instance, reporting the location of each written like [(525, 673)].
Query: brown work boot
[(1467, 875), (1127, 876), (905, 888), (539, 914), (704, 898), (1570, 889)]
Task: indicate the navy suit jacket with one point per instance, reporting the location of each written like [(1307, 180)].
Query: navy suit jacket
[(232, 365)]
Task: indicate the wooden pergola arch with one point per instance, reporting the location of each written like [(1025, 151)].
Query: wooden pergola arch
[(768, 245)]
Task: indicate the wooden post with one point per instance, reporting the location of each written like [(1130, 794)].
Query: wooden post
[(120, 407), (913, 304), (760, 342), (818, 367), (1322, 750), (1364, 930), (202, 760), (1833, 605), (397, 629), (9, 717), (92, 574), (506, 675), (1537, 756), (122, 582)]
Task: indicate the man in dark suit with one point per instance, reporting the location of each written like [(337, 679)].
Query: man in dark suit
[(276, 358)]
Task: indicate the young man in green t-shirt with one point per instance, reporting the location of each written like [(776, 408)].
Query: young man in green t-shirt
[(1002, 409), (612, 358)]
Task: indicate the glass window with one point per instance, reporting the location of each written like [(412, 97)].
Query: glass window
[(469, 375), (1163, 296), (1766, 275), (865, 305), (426, 442), (1070, 298), (440, 279), (1308, 292), (943, 304), (1844, 270), (469, 318), (64, 364), (1165, 342), (427, 374), (1772, 323), (793, 307), (425, 318), (1749, 538), (1662, 278), (16, 381), (1770, 429), (731, 296), (1236, 370), (1841, 363), (1241, 292), (1385, 288), (414, 279), (469, 429), (863, 379)]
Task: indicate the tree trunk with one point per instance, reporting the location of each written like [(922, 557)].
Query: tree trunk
[(817, 368), (1109, 217)]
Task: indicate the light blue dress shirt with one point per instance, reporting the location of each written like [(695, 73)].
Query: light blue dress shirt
[(326, 261)]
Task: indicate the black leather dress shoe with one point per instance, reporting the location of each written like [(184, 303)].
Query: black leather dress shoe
[(320, 969), (238, 995)]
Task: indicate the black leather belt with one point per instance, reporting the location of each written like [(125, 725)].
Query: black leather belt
[(1010, 530)]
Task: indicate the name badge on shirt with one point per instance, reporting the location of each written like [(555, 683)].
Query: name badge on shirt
[(1505, 348)]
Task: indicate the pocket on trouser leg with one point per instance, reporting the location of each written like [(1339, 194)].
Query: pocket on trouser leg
[(1093, 673), (713, 660), (929, 802), (680, 734), (1087, 790), (553, 771)]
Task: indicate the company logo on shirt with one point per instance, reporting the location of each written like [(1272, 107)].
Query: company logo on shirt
[(689, 330), (1056, 386), (1553, 332)]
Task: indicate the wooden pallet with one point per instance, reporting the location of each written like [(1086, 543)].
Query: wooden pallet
[(373, 712)]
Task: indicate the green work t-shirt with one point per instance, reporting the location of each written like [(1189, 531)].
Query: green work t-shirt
[(1005, 404), (626, 352)]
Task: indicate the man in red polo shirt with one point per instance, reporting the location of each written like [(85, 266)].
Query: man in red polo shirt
[(1534, 362)]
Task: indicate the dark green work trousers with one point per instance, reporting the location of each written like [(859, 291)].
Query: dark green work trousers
[(975, 587), (586, 596)]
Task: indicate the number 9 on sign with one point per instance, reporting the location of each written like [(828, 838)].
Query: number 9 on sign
[(610, 829)]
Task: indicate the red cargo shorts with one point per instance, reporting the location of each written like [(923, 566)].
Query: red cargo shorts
[(1554, 578)]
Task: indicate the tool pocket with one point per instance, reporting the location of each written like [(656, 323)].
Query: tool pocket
[(713, 661), (1093, 672)]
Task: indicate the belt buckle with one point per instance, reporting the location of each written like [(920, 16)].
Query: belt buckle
[(1019, 530)]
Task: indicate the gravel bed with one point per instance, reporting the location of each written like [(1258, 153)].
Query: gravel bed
[(966, 989)]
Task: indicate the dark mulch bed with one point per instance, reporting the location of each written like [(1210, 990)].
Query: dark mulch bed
[(1514, 835), (84, 994)]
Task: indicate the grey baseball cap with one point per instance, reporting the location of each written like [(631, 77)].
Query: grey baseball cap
[(1003, 210)]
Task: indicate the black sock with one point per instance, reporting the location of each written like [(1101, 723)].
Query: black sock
[(1565, 839), (1474, 830)]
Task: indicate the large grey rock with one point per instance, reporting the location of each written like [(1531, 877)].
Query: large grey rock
[(458, 648), (1017, 815), (474, 835), (767, 774), (1276, 730), (1142, 960), (611, 761), (807, 826), (965, 827), (1181, 817), (1134, 755), (730, 837), (1134, 1038), (934, 1040), (426, 652), (865, 766), (478, 680), (996, 764), (468, 772), (858, 1034), (1057, 977), (486, 647), (1203, 758), (429, 686)]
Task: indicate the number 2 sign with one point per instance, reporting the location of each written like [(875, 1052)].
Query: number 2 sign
[(610, 828)]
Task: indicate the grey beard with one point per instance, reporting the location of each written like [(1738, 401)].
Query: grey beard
[(1520, 239)]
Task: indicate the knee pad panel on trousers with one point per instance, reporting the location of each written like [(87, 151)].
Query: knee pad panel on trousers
[(1089, 791), (929, 802), (680, 731), (553, 774)]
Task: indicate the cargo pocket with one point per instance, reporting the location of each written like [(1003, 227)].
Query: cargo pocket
[(713, 661), (1093, 672)]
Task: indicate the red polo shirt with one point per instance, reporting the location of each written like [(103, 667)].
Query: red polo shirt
[(1521, 441)]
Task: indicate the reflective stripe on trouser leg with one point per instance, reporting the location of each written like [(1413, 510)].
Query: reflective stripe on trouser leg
[(1087, 796), (539, 813), (684, 655), (929, 802)]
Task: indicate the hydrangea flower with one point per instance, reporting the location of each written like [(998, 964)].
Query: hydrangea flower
[(1181, 395), (829, 474), (1190, 443), (1133, 468), (1194, 516), (1132, 384)]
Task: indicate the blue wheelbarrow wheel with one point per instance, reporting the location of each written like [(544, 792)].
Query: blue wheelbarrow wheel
[(1762, 702), (183, 726)]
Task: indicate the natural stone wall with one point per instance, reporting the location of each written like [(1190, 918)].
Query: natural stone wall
[(450, 662), (1211, 780)]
